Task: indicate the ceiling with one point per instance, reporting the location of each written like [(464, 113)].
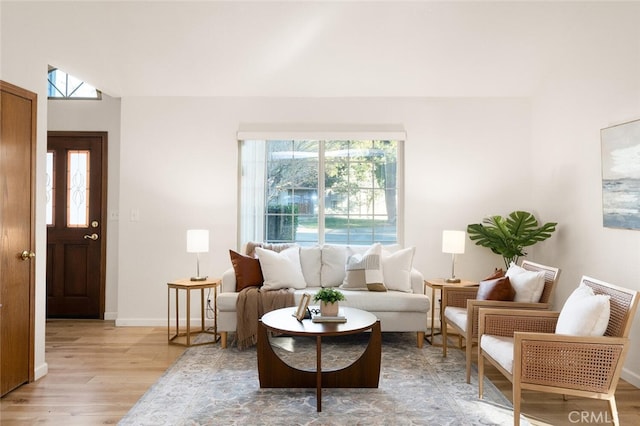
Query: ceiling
[(288, 49)]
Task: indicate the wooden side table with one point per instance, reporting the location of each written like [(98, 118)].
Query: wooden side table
[(188, 285), (437, 284)]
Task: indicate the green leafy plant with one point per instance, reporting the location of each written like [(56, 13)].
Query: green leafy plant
[(509, 236), (328, 295)]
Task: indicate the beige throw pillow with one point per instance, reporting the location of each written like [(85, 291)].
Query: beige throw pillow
[(364, 269)]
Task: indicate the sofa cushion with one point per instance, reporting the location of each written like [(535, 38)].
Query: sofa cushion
[(310, 262), (391, 301), (396, 269), (376, 287), (496, 289), (281, 270), (584, 313), (332, 258), (247, 270), (363, 269)]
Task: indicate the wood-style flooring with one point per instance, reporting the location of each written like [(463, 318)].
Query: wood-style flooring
[(98, 371)]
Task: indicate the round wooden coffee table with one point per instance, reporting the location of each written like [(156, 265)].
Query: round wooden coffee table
[(275, 373)]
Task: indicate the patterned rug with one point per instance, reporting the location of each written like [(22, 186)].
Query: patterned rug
[(213, 386)]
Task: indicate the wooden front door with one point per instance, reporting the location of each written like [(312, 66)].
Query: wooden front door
[(17, 235), (76, 226)]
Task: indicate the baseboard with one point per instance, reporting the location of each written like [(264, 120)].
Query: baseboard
[(110, 316), (631, 377), (41, 371)]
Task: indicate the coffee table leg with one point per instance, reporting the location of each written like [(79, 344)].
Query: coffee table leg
[(318, 373)]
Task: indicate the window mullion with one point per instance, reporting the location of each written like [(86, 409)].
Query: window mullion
[(321, 192)]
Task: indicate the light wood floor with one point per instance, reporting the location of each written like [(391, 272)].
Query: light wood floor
[(98, 371)]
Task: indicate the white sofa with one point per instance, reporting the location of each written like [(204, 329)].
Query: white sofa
[(324, 266)]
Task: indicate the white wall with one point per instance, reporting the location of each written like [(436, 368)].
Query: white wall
[(179, 162), (591, 81), (102, 115), (536, 147)]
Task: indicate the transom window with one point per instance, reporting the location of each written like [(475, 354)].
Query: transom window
[(320, 191), (64, 86)]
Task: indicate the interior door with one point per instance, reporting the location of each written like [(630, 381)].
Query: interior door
[(17, 236), (76, 226)]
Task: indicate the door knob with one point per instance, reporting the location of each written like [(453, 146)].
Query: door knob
[(27, 255), (91, 237)]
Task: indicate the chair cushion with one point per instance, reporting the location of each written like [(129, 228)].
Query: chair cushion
[(457, 316), (514, 269), (496, 289), (281, 270), (499, 348), (528, 285), (584, 313), (247, 270)]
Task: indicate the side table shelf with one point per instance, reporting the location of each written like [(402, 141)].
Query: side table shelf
[(185, 337), (437, 284)]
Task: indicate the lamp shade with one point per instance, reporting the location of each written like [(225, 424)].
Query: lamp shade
[(453, 241), (197, 241)]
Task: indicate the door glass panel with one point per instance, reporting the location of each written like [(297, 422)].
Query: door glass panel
[(50, 189), (78, 189)]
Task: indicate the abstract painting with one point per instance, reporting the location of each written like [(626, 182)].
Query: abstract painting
[(621, 175)]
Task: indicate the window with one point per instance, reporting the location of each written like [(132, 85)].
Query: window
[(320, 191), (64, 86), (78, 188)]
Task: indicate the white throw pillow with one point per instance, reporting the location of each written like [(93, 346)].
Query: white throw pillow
[(333, 258), (396, 269), (514, 270), (528, 286), (584, 313), (310, 263), (364, 269), (281, 270)]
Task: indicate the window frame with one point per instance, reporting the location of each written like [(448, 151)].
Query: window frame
[(69, 96), (258, 219)]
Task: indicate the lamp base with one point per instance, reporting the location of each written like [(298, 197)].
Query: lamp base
[(452, 280), (198, 278)]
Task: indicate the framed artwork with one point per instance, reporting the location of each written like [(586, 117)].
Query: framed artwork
[(302, 307), (621, 175)]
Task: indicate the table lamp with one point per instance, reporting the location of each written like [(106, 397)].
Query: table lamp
[(453, 242), (198, 242)]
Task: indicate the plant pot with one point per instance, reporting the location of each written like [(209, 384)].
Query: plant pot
[(329, 309)]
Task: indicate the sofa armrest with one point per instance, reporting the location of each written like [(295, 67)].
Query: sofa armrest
[(417, 281), (228, 281)]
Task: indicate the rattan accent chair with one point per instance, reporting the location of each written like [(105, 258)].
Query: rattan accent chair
[(465, 298), (569, 365)]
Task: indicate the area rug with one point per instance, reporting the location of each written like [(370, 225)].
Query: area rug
[(208, 385)]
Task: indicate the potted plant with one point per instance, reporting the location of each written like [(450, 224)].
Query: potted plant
[(509, 236), (329, 298)]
